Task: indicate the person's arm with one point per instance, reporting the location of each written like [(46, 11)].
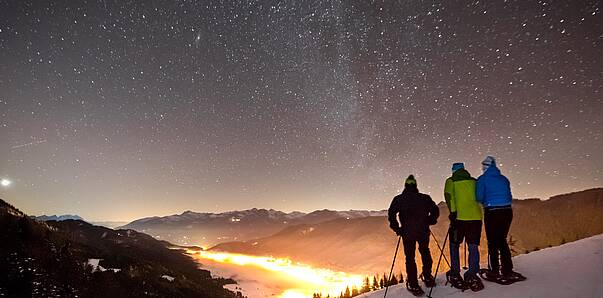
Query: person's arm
[(449, 195), (480, 191), (450, 201), (509, 189), (434, 212), (392, 215)]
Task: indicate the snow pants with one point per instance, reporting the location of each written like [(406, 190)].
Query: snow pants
[(410, 245), (498, 222), (470, 231)]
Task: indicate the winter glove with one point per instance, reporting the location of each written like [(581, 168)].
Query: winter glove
[(399, 232), (452, 218), (394, 227)]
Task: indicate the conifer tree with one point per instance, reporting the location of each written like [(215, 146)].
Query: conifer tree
[(393, 281), (354, 291), (366, 285), (401, 279), (347, 293), (375, 283)]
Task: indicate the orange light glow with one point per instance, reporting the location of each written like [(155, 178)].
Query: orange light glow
[(312, 280)]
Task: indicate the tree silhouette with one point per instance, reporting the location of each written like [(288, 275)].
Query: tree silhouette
[(393, 281), (375, 283), (366, 285), (354, 291), (347, 293)]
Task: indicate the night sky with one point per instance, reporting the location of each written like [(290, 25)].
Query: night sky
[(115, 110)]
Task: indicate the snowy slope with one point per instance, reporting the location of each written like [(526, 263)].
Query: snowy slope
[(570, 270)]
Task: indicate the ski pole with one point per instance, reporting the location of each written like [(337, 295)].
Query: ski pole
[(392, 270), (439, 260), (440, 248)]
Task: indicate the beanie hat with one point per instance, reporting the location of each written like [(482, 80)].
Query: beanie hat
[(457, 166), (488, 162), (410, 180)]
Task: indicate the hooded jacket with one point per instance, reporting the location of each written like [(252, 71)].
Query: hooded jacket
[(459, 193), (493, 189), (416, 212)]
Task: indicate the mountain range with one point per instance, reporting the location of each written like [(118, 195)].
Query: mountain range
[(208, 229), (57, 217), (72, 258)]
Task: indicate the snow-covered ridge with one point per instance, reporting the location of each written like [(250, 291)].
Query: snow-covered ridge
[(57, 217), (571, 270), (235, 216)]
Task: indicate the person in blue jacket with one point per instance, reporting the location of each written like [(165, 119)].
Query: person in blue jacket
[(493, 191)]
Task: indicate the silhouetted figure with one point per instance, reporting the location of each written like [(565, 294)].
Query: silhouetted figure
[(465, 223), (410, 215), (494, 193)]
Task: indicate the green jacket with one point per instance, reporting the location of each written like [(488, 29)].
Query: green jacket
[(459, 193)]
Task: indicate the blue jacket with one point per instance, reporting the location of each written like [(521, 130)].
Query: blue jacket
[(493, 189)]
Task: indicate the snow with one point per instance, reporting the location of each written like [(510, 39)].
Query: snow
[(58, 217), (169, 278), (96, 267), (571, 270)]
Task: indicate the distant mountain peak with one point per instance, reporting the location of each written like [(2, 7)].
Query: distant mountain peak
[(57, 217)]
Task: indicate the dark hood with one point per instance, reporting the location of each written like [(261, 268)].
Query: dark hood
[(461, 174)]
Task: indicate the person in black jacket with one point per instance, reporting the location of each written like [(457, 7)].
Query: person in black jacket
[(410, 215)]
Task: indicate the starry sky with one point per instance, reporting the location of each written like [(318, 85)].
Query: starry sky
[(115, 110)]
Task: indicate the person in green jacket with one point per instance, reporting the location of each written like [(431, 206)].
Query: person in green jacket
[(465, 223)]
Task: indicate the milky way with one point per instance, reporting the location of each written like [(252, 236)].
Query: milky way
[(119, 109)]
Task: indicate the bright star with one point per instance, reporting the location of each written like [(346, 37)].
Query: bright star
[(5, 182)]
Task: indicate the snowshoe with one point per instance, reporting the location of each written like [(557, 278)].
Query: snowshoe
[(456, 281), (474, 283), (428, 280), (415, 289), (492, 276), (514, 276)]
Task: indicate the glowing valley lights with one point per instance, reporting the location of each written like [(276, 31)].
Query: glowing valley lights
[(315, 280)]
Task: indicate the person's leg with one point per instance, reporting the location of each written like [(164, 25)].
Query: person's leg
[(473, 259), (472, 236), (490, 226), (409, 254), (455, 264), (505, 252), (425, 255)]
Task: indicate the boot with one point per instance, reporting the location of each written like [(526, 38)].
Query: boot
[(414, 288), (456, 281), (474, 283), (428, 280)]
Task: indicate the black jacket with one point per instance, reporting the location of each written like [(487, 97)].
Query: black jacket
[(416, 212)]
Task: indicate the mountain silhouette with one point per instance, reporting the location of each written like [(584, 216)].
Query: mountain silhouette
[(68, 259)]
